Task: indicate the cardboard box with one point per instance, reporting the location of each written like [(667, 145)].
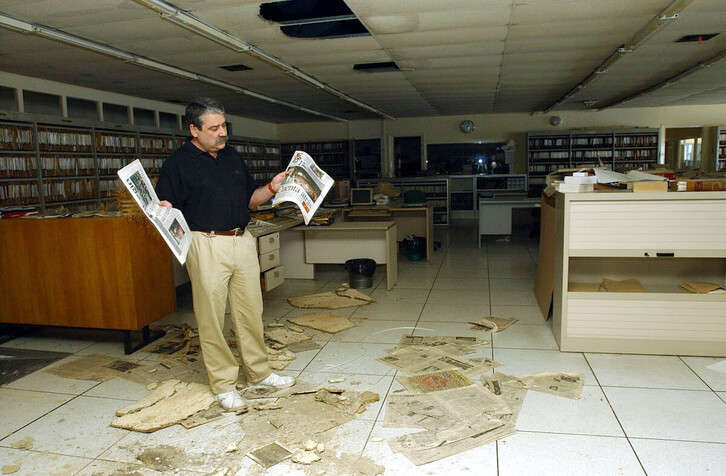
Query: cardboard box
[(544, 281)]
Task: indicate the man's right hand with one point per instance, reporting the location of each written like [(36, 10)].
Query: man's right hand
[(164, 203)]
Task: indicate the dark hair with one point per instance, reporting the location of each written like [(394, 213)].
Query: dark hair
[(199, 107)]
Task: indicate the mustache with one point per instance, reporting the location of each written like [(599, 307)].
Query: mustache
[(221, 139)]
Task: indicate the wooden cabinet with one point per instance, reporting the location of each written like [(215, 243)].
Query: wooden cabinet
[(620, 150), (100, 273), (660, 239)]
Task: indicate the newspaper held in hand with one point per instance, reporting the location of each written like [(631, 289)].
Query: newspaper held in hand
[(169, 221), (306, 185)]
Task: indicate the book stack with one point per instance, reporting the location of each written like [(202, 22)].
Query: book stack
[(14, 212)]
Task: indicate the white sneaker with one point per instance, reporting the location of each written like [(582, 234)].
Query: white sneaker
[(231, 401), (276, 381)]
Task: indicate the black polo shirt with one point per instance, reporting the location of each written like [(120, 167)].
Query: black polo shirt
[(213, 194)]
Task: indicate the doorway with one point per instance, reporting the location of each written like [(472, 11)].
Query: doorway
[(683, 148), (407, 156)]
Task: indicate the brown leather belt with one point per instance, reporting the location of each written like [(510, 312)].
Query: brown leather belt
[(235, 232)]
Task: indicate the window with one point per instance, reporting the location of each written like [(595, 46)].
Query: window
[(689, 153)]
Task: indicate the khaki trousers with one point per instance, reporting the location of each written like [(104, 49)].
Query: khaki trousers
[(222, 267)]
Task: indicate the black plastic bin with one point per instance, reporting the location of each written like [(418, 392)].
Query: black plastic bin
[(360, 272), (415, 247)]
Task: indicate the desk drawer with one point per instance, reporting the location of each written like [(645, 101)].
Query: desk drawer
[(273, 278), (268, 243), (269, 260)]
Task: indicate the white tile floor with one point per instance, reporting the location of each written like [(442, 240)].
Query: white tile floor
[(655, 415)]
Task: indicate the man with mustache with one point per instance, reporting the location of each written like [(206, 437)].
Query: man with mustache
[(210, 183)]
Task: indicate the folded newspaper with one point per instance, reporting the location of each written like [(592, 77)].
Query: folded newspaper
[(169, 221), (306, 185)]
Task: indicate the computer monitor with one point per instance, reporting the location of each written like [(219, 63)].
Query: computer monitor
[(361, 196)]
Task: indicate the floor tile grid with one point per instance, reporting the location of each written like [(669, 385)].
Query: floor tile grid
[(498, 444)]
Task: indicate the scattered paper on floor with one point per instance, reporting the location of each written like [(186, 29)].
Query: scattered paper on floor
[(435, 381), (329, 323), (451, 345), (562, 384), (417, 360)]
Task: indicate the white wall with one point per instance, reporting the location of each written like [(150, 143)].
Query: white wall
[(501, 127)]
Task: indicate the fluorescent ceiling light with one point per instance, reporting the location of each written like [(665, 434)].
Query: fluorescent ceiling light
[(11, 23), (653, 26), (165, 68), (23, 26), (670, 81)]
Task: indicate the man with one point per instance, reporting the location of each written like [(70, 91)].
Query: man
[(210, 183)]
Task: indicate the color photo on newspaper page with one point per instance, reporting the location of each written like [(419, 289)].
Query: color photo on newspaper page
[(307, 185), (169, 221)]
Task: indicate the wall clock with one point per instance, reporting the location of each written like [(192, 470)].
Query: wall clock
[(467, 126)]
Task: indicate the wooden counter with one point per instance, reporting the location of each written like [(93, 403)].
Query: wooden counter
[(101, 273)]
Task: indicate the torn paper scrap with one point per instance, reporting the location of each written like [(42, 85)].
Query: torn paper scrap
[(623, 286), (435, 381), (584, 287), (417, 360), (186, 400), (329, 323), (493, 324), (562, 384), (700, 287)]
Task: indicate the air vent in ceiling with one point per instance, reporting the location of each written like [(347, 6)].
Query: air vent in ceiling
[(376, 67), (325, 19), (236, 67), (696, 38)]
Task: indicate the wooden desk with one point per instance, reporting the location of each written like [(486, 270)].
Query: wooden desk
[(418, 221), (100, 273), (495, 214), (304, 246)]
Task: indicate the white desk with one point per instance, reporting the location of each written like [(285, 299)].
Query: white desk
[(304, 246), (495, 214), (417, 221)]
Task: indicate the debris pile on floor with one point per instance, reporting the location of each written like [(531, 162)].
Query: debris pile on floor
[(329, 323), (342, 297), (456, 413)]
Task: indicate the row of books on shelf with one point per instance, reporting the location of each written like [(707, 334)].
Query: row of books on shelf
[(54, 166), (247, 149), (313, 147), (595, 141), (16, 138), (73, 140), (18, 193)]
